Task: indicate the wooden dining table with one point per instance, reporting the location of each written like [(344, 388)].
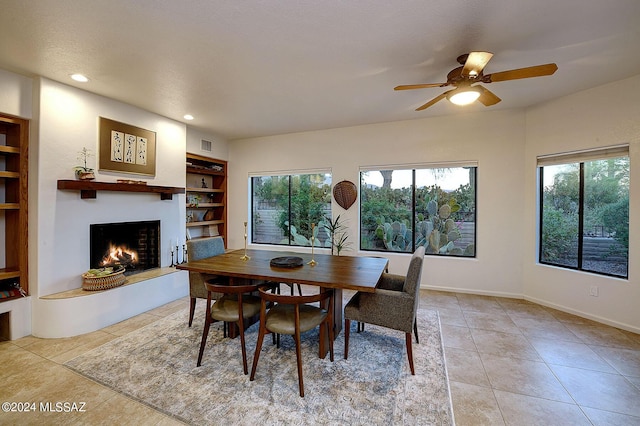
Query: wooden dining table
[(333, 272)]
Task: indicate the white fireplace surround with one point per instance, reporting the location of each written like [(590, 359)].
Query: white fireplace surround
[(67, 122), (63, 120)]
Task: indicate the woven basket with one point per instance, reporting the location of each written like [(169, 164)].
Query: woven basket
[(345, 193), (93, 283)]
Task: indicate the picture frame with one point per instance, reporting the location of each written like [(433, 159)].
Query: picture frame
[(126, 148)]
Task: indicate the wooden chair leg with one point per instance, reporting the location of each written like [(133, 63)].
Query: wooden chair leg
[(347, 325), (256, 355), (415, 330), (244, 349), (331, 337), (192, 309), (299, 359), (410, 353), (205, 333), (275, 338), (329, 325)]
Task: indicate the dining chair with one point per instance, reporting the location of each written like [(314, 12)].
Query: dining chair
[(276, 288), (393, 304), (360, 325), (294, 315), (197, 249), (236, 304)]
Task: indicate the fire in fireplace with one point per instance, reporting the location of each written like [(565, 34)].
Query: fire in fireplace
[(120, 256), (133, 245)]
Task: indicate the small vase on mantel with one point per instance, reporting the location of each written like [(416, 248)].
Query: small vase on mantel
[(85, 174)]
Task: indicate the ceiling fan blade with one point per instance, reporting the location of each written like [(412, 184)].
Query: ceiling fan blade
[(475, 63), (419, 86), (487, 97), (537, 71), (434, 100)]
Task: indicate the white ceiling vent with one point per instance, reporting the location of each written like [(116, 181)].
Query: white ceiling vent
[(205, 145)]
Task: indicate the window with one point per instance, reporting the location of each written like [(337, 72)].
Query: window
[(584, 211), (434, 207), (284, 207)]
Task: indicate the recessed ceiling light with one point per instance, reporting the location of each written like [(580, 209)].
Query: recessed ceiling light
[(79, 77), (188, 117)]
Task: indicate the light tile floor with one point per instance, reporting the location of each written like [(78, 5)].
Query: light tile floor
[(509, 362), (32, 373)]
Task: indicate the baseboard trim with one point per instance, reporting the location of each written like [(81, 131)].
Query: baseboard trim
[(582, 314), (474, 291), (606, 321)]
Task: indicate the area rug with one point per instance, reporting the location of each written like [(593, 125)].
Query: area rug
[(156, 365)]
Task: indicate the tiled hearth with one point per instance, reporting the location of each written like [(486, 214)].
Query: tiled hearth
[(132, 279)]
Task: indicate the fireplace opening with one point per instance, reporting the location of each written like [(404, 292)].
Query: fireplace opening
[(132, 245)]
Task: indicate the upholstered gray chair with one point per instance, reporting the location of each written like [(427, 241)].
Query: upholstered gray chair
[(197, 249), (393, 305)]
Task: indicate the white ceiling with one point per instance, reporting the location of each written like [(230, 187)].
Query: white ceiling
[(249, 68)]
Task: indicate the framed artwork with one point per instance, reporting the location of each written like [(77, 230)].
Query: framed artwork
[(126, 148)]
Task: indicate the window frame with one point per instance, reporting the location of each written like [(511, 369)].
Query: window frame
[(414, 169), (289, 174), (579, 158)]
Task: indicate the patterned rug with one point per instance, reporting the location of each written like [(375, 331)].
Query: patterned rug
[(156, 365)]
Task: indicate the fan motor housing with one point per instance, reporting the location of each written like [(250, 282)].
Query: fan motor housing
[(455, 77)]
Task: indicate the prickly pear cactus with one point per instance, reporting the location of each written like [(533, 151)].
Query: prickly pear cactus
[(435, 229), (438, 232)]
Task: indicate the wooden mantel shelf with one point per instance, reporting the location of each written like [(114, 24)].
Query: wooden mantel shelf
[(88, 189)]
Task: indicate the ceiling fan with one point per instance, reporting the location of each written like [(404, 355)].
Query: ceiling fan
[(471, 72)]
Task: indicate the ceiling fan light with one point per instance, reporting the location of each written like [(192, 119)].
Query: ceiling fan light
[(464, 96)]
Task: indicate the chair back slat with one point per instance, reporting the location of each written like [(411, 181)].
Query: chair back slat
[(230, 289), (292, 300)]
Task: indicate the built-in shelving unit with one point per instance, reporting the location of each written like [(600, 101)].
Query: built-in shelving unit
[(14, 142), (206, 196)]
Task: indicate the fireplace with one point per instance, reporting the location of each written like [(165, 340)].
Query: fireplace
[(134, 245)]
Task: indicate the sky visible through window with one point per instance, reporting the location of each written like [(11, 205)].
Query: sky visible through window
[(448, 179)]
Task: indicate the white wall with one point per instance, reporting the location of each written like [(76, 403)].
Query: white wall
[(602, 116), (494, 139), (16, 94), (219, 145)]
